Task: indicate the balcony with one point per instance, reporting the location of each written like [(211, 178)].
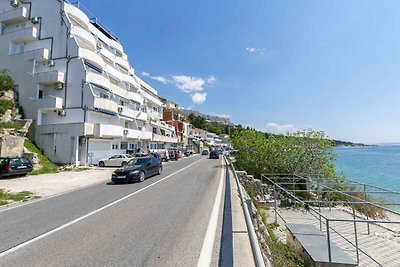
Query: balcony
[(40, 55), (108, 54), (107, 131), (90, 56), (163, 138), (119, 91), (135, 97), (116, 74), (86, 37), (127, 112), (141, 116), (25, 35), (116, 45), (50, 77), (49, 103), (105, 104), (14, 15), (134, 134), (122, 62), (98, 79), (77, 14), (144, 135)]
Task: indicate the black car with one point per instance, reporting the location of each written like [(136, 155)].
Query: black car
[(214, 154), (12, 166), (137, 170)]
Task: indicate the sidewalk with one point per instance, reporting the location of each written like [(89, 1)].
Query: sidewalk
[(242, 252), (45, 185)]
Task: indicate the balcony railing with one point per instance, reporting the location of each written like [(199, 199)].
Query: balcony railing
[(49, 103), (50, 77), (107, 130), (14, 15), (105, 104), (163, 138)]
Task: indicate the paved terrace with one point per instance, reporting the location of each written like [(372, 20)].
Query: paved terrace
[(379, 248)]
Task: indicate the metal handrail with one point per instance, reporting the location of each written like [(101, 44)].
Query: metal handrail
[(258, 258)]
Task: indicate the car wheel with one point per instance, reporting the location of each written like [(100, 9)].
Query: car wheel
[(123, 164), (101, 164), (142, 176), (159, 170)]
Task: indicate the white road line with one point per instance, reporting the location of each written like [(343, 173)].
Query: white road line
[(208, 244), (4, 253)]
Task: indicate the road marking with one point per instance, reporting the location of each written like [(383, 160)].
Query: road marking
[(26, 243), (208, 244)]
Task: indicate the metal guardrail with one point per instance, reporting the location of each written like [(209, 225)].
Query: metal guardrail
[(258, 258), (279, 182)]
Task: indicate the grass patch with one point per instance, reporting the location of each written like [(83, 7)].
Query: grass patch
[(5, 105), (7, 197), (10, 125), (47, 165), (282, 254)]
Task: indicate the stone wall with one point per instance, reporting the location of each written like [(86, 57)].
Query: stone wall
[(11, 146)]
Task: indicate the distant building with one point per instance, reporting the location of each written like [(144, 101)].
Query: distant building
[(174, 116)]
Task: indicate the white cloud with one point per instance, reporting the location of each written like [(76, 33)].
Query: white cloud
[(189, 84), (211, 79), (255, 50), (199, 98), (275, 128), (157, 78)]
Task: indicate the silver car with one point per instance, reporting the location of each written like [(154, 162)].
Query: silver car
[(115, 160)]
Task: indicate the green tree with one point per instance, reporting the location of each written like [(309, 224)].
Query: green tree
[(305, 152), (6, 81)]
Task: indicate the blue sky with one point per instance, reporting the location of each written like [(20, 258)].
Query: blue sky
[(272, 65)]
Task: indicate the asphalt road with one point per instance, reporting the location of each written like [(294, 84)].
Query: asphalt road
[(160, 222)]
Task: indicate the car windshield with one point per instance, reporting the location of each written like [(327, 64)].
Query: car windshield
[(138, 162)]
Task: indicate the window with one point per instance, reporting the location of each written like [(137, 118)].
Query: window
[(154, 130), (122, 103), (153, 146), (124, 145), (40, 95), (126, 124), (133, 146), (155, 109), (114, 146)]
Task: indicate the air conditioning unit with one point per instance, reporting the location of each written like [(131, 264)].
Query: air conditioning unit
[(125, 131), (59, 86), (51, 63), (62, 112), (14, 3), (120, 109), (99, 46), (35, 20)]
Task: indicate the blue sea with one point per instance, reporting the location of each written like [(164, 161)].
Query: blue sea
[(379, 166)]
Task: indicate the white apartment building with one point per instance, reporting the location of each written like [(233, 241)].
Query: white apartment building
[(74, 80)]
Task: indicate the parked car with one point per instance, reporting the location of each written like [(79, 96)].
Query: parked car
[(156, 155), (172, 155), (138, 169), (214, 154), (115, 160), (204, 152), (12, 166), (163, 153)]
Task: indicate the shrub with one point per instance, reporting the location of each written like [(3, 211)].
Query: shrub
[(5, 105)]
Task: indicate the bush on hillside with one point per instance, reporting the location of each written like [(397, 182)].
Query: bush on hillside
[(6, 81)]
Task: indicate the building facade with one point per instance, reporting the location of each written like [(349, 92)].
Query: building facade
[(73, 78)]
